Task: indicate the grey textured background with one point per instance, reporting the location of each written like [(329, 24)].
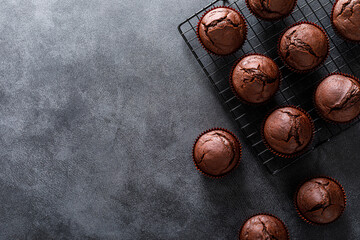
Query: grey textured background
[(100, 104)]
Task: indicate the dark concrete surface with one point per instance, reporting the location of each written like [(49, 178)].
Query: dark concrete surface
[(100, 104)]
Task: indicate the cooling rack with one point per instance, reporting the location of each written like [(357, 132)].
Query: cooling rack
[(296, 89)]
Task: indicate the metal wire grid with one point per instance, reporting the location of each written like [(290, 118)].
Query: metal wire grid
[(295, 89)]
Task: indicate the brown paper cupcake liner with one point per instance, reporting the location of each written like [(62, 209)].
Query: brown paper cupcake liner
[(296, 154), (268, 214), (335, 29), (269, 19), (314, 68), (238, 161), (314, 103), (296, 206), (233, 88), (198, 27)]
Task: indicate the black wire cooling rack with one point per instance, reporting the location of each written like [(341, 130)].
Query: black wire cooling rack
[(295, 89)]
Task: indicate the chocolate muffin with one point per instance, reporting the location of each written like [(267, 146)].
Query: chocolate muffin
[(222, 31), (320, 200), (303, 47), (288, 131), (337, 98), (271, 10), (216, 152), (346, 19), (255, 78), (263, 227)]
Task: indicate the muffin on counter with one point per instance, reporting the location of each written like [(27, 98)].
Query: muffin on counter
[(255, 78), (337, 98), (264, 226), (320, 200), (304, 47), (271, 10), (346, 19), (222, 31), (216, 152), (288, 131)]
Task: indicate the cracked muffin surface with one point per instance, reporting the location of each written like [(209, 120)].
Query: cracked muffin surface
[(320, 200), (337, 98), (222, 31), (263, 227), (304, 47), (288, 130), (216, 152), (256, 78), (271, 9), (346, 18)]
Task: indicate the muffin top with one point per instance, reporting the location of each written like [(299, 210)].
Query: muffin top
[(288, 130), (263, 227), (256, 78), (271, 10), (320, 200), (346, 18), (222, 31), (216, 152), (337, 98), (304, 47)]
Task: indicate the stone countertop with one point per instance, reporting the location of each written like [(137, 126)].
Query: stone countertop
[(101, 101)]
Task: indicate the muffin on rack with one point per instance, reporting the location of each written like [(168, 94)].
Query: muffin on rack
[(303, 47), (346, 19), (287, 131), (271, 10), (222, 30), (255, 78), (337, 98)]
